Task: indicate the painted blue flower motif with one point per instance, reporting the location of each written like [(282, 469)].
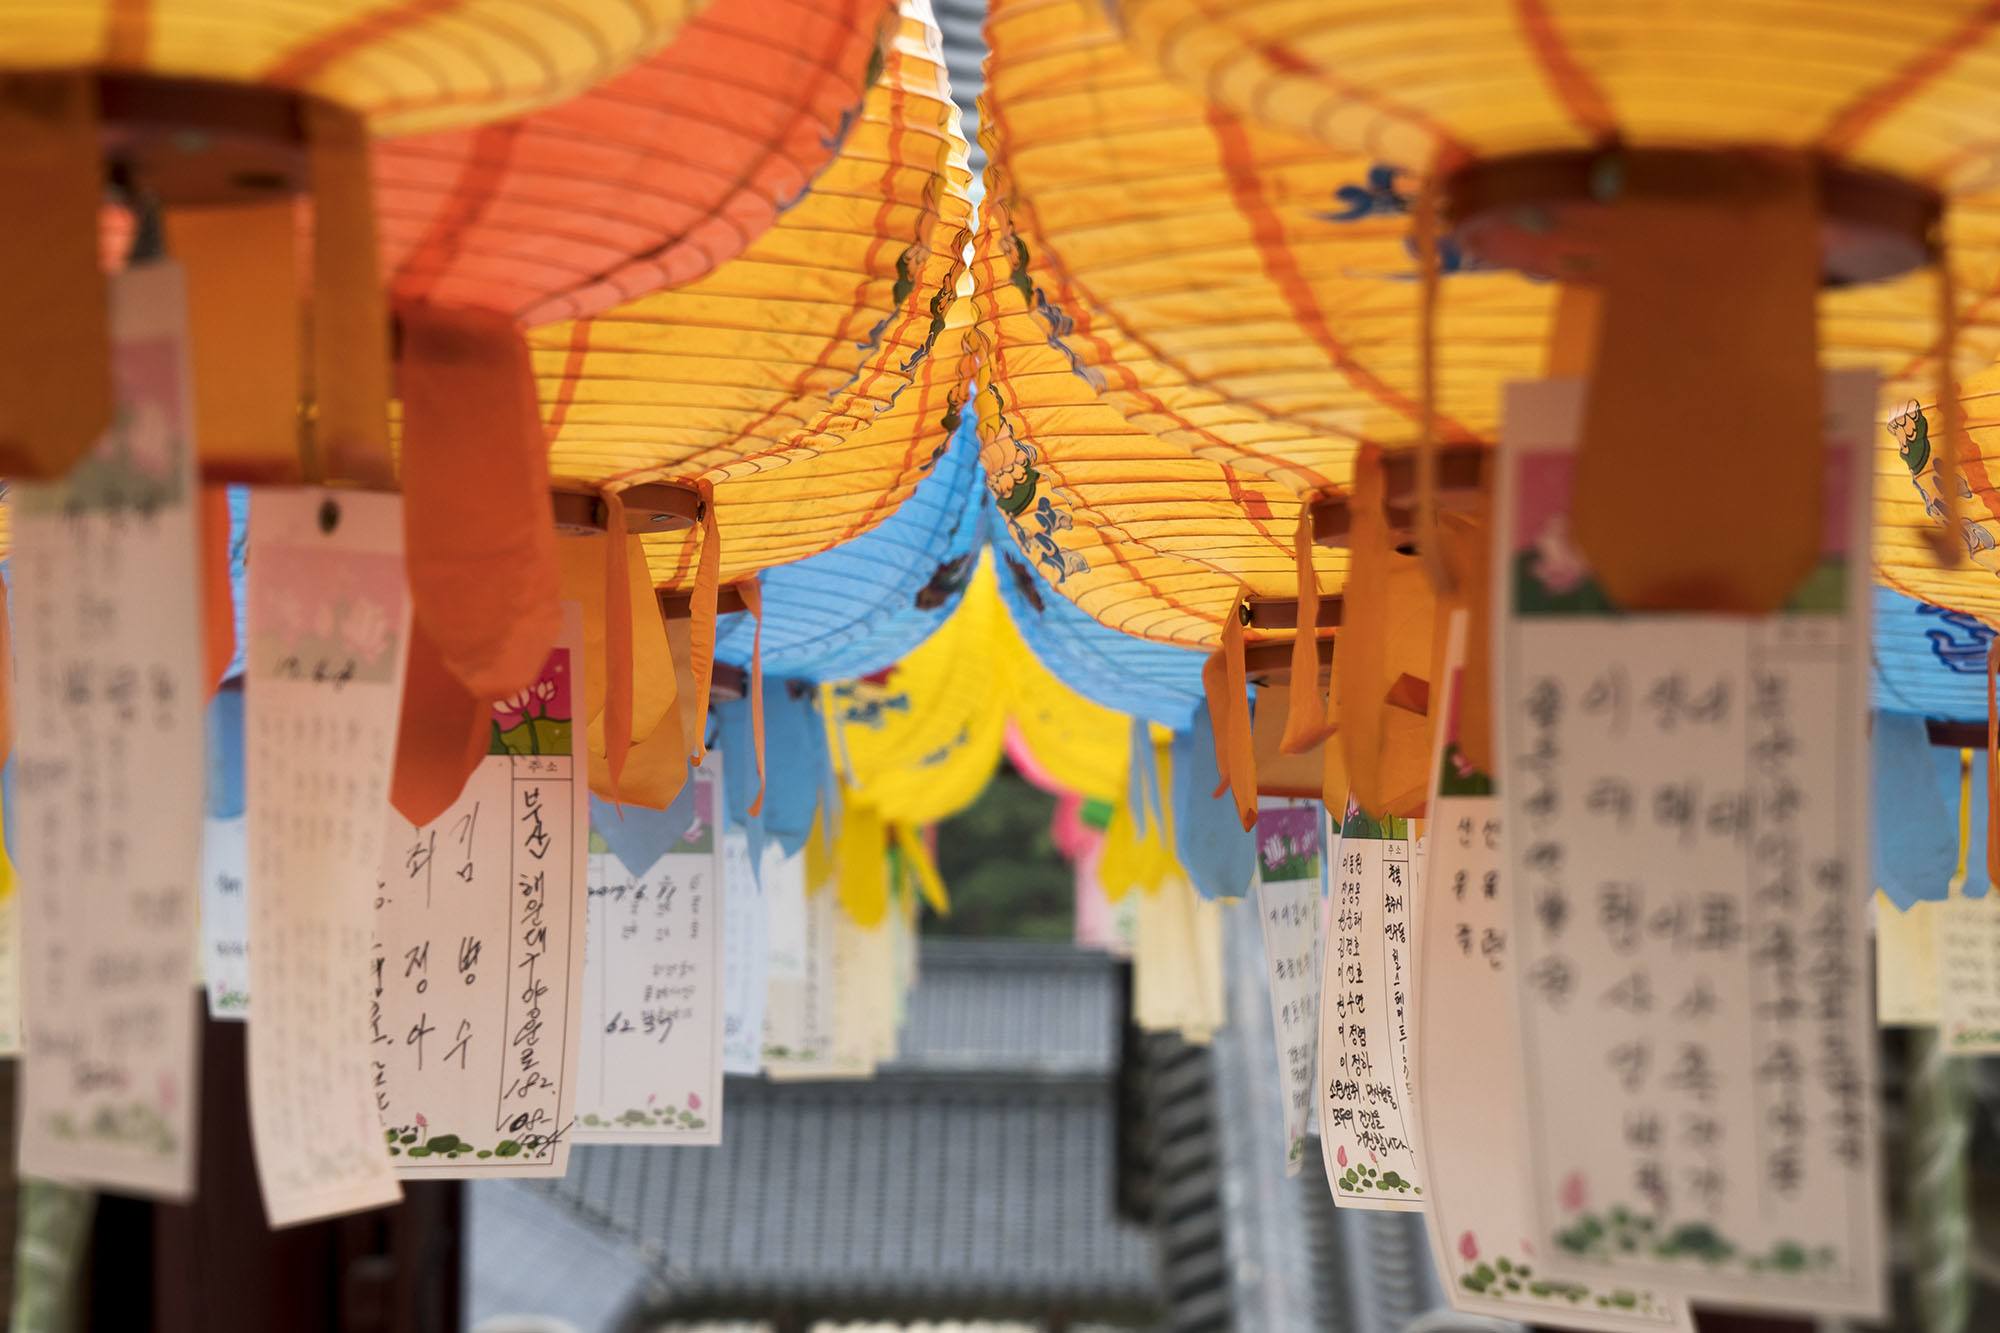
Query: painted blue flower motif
[(1377, 198), (1380, 197), (1961, 645)]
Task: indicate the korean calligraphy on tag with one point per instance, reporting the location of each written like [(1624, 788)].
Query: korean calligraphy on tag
[(109, 751), (745, 947), (652, 1006), (1966, 948), (1468, 1066), (1367, 1125), (1290, 870), (1687, 824), (475, 980), (328, 627), (799, 979)]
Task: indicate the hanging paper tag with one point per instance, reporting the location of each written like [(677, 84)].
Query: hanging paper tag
[(1367, 1126), (1468, 1066), (1177, 962), (1290, 870), (225, 916), (225, 860), (328, 630), (866, 996), (1906, 963), (1967, 954), (110, 751), (743, 945), (799, 991), (652, 1008), (1690, 824), (476, 976)]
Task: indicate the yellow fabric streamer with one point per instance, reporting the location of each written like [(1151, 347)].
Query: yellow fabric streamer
[(861, 870), (918, 858)]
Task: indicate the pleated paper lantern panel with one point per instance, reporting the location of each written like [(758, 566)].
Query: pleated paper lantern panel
[(809, 334), (1155, 681), (826, 486), (1714, 165), (1094, 502), (406, 64), (1243, 292), (1894, 88), (866, 603), (651, 178)]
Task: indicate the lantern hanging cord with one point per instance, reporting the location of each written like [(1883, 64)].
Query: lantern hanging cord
[(1949, 544), (1424, 225)]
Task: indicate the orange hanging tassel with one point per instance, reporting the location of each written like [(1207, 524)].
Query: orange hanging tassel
[(1306, 715), (617, 638), (1242, 753), (1215, 688), (55, 329), (753, 597), (218, 598), (443, 735), (701, 619)]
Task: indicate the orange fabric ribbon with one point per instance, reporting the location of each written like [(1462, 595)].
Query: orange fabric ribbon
[(55, 323), (443, 735), (753, 597), (1307, 716), (218, 598), (617, 637), (1707, 347), (1228, 692), (478, 529), (246, 339), (1384, 665), (350, 337), (701, 618)]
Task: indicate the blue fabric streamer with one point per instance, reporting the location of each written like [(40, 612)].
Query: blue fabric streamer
[(1916, 829), (1217, 852), (1142, 780), (225, 754), (637, 836)]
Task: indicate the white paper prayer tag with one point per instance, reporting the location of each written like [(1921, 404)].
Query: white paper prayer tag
[(475, 983), (745, 950), (1367, 1126), (1686, 797), (328, 626), (651, 1070), (1468, 1068), (1967, 952), (799, 988), (225, 916), (1906, 963), (867, 997), (109, 749), (1290, 867)]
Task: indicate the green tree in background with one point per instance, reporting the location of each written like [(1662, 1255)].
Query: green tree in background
[(1001, 867)]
